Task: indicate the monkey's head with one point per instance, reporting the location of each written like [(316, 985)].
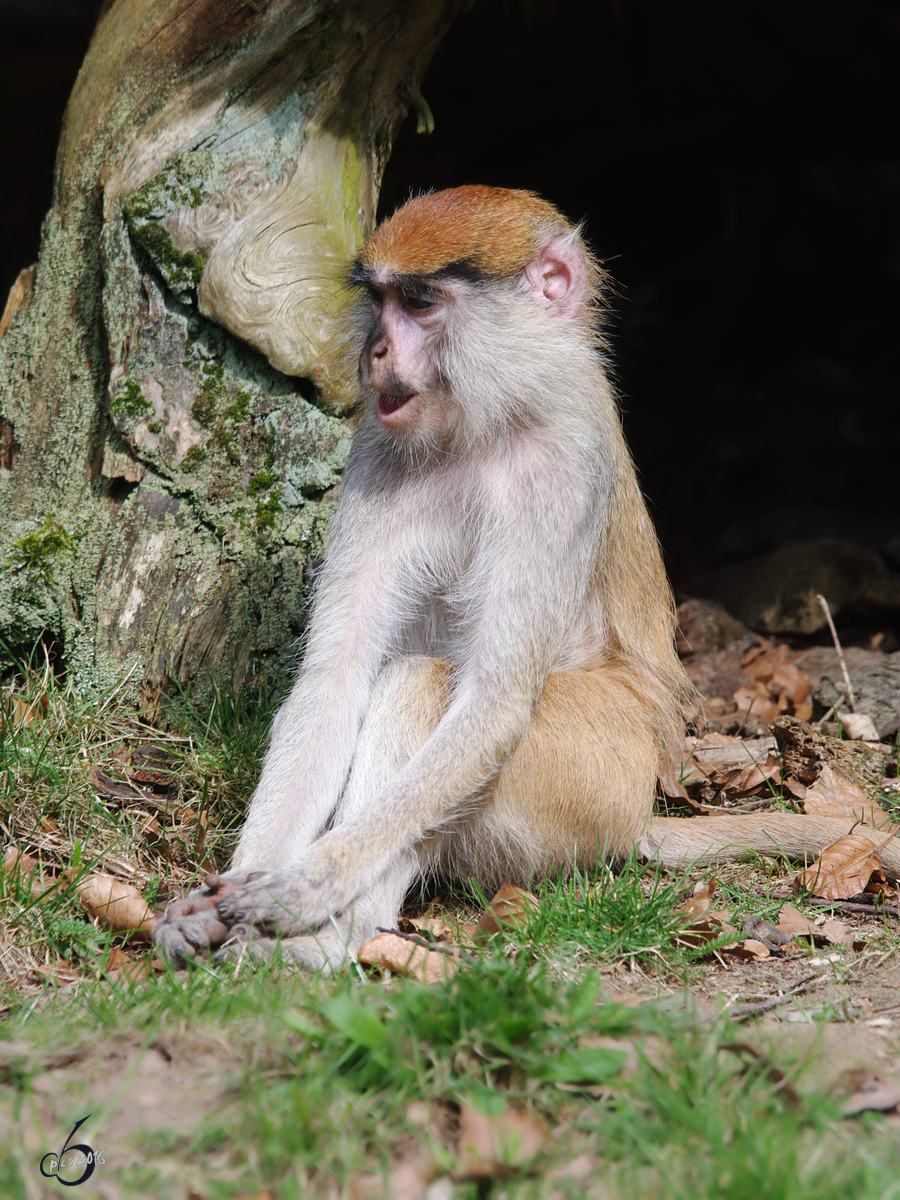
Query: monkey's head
[(461, 285)]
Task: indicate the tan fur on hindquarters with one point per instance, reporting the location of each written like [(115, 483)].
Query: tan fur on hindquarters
[(490, 671)]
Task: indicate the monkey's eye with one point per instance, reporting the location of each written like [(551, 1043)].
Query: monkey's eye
[(375, 297), (417, 303)]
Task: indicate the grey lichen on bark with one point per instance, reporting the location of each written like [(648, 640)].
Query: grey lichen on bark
[(174, 415)]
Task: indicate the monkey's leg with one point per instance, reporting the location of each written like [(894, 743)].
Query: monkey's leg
[(578, 787), (407, 704), (583, 780)]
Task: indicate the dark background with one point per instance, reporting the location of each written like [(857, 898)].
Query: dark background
[(737, 165)]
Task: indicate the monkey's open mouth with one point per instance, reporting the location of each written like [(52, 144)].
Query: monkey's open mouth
[(388, 404)]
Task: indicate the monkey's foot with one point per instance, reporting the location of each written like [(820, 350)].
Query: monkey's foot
[(192, 926), (323, 952)]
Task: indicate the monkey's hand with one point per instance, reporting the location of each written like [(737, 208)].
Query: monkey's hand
[(193, 926), (295, 899)]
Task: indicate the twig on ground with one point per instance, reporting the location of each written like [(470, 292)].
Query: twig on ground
[(851, 700), (452, 951), (751, 1010), (857, 904)]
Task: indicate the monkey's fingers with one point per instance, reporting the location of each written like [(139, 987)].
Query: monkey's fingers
[(193, 925), (276, 901), (181, 936)]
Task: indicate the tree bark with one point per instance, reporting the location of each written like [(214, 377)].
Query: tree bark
[(173, 414)]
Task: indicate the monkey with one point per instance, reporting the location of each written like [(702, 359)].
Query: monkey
[(490, 672)]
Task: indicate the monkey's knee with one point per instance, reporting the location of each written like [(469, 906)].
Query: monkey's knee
[(413, 675)]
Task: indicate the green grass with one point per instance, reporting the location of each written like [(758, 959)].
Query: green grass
[(322, 1082), (309, 1087)]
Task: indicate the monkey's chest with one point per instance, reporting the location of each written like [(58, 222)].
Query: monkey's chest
[(440, 627)]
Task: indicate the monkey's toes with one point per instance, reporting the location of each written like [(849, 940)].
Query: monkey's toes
[(192, 925), (310, 953)]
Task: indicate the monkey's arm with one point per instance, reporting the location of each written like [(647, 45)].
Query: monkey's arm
[(313, 735), (680, 842), (315, 732)]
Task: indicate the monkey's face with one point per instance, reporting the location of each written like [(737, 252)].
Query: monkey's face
[(399, 361)]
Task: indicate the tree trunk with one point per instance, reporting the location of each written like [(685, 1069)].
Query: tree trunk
[(173, 418)]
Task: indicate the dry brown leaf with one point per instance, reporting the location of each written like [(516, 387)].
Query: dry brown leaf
[(116, 905), (510, 906), (714, 738), (756, 701), (579, 1167), (22, 866), (120, 965), (713, 926), (842, 869), (881, 887), (402, 957), (731, 765), (779, 685), (859, 727), (829, 932), (793, 922), (754, 776), (489, 1146), (776, 667), (60, 971), (431, 924), (24, 711), (834, 796), (750, 948), (866, 1092), (670, 770), (15, 862), (697, 904), (759, 661), (836, 933), (407, 1180), (116, 789), (795, 787), (788, 681)]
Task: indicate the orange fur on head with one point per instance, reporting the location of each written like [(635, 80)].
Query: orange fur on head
[(493, 232)]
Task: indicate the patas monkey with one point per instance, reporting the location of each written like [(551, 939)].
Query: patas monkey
[(490, 673)]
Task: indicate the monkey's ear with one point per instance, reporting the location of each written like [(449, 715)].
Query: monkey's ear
[(557, 276)]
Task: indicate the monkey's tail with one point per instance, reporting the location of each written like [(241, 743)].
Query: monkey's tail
[(679, 842)]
